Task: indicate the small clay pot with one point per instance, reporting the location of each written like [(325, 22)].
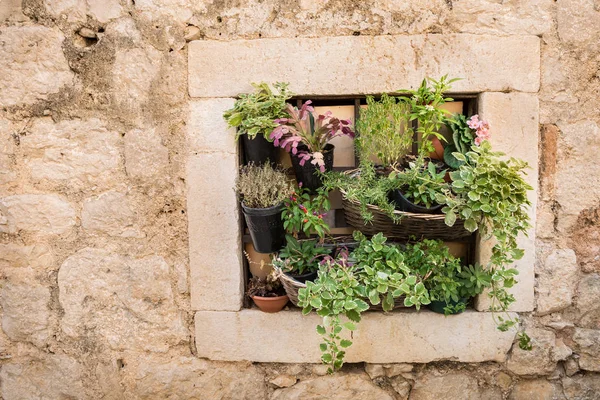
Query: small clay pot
[(438, 153), (270, 304)]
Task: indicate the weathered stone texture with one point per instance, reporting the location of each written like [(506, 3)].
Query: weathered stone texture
[(577, 168), (38, 256), (206, 128), (582, 387), (50, 377), (215, 254), (338, 387), (453, 386), (394, 338), (78, 10), (146, 157), (184, 377), (586, 240), (588, 347), (218, 69), (537, 361), (110, 213), (131, 299), (82, 152), (578, 21), (588, 301), (25, 307), (8, 174), (39, 213), (32, 63), (539, 389), (556, 281), (11, 11)]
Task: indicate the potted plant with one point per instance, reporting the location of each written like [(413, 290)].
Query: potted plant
[(304, 213), (262, 190), (450, 284), (420, 188), (374, 273), (254, 114), (307, 138), (386, 133), (300, 259), (267, 294), (465, 134)]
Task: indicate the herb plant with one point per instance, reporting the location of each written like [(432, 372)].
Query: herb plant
[(267, 287), (365, 187), (425, 104), (302, 127), (255, 113), (385, 130), (300, 256), (305, 214), (420, 184), (490, 194), (262, 186)]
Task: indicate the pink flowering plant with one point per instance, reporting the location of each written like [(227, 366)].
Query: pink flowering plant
[(466, 133), (302, 127)]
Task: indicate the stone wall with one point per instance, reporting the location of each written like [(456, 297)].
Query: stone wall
[(94, 290)]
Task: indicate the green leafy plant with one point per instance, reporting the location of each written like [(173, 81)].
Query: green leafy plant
[(303, 213), (444, 276), (465, 134), (373, 272), (262, 186), (255, 113), (426, 107), (385, 130), (421, 184), (365, 187), (300, 256), (490, 194)]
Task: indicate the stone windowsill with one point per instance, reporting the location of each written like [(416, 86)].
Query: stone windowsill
[(400, 336)]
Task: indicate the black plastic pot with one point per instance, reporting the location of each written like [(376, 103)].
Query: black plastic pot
[(259, 150), (308, 277), (438, 306), (307, 173), (403, 204), (266, 228)]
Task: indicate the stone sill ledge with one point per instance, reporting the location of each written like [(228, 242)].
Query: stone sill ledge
[(400, 336)]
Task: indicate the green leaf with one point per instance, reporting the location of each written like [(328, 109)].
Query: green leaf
[(459, 156), (345, 343), (361, 305), (474, 196), (326, 358), (321, 330), (450, 218), (316, 302), (350, 305), (350, 326), (353, 315), (323, 347), (470, 225)]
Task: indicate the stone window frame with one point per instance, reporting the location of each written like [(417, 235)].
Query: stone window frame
[(502, 72)]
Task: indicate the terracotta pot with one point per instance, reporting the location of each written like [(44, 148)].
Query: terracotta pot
[(270, 304), (438, 154)]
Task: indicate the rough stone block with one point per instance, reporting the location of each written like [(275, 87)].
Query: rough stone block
[(578, 21), (25, 305), (11, 10), (514, 125), (453, 386), (588, 301), (38, 256), (588, 347), (50, 377), (577, 168), (214, 232), (131, 298), (538, 389), (110, 213), (146, 157), (206, 128), (82, 152), (380, 338), (336, 387), (556, 281), (539, 360), (364, 64), (40, 213), (32, 63)]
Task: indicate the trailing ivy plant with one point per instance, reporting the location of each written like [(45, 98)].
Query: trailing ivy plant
[(255, 113), (490, 194), (374, 272)]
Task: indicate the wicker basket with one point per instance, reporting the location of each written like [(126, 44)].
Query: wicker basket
[(430, 226), (290, 285)]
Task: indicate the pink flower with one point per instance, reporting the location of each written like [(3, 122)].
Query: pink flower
[(478, 141)]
